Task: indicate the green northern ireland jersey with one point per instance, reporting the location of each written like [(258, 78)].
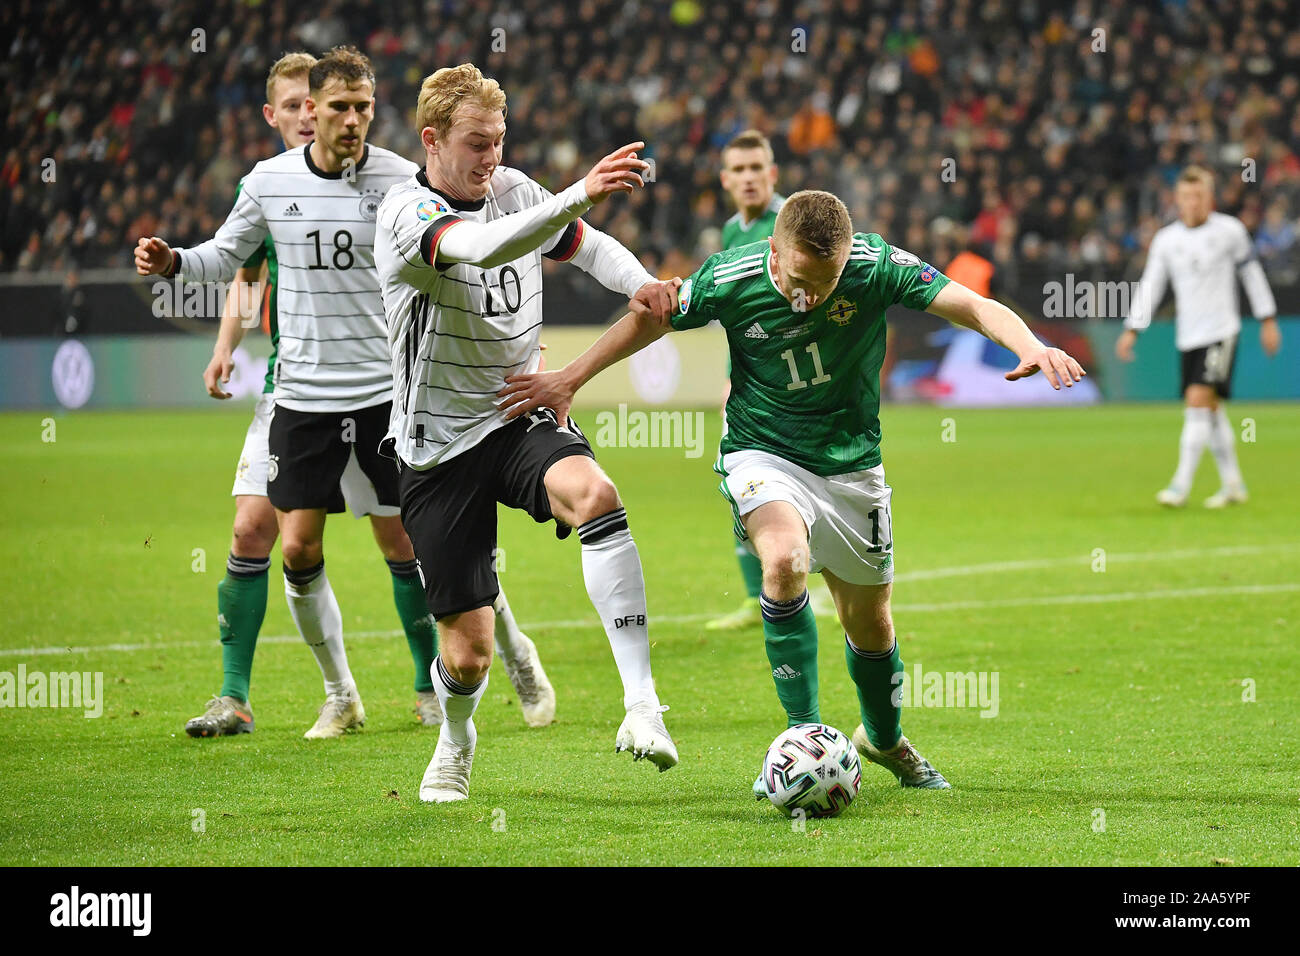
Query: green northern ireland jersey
[(805, 386), (266, 253), (736, 233)]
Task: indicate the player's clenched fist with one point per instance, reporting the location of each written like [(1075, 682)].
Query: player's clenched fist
[(658, 300), (619, 172), (153, 257)]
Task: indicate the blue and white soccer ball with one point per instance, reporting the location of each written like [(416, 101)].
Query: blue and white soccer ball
[(812, 768)]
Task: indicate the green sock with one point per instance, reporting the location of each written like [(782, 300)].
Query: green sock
[(790, 636), (751, 569), (241, 606), (873, 673), (421, 631)]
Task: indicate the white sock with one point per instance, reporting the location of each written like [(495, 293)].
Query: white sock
[(1197, 425), (506, 631), (315, 611), (611, 568), (458, 705), (1223, 445)]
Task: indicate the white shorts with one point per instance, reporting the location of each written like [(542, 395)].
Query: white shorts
[(250, 474), (850, 531)]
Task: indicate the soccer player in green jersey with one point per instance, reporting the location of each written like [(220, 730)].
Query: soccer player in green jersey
[(804, 314), (749, 175), (241, 594)]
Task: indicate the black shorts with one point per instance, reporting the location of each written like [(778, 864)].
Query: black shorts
[(309, 451), (1211, 365), (450, 510)]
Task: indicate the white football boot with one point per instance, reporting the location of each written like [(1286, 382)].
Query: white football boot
[(536, 695), (446, 779), (427, 708), (1171, 498), (1235, 495), (643, 732), (339, 713)]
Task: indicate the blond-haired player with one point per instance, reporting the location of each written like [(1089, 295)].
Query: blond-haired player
[(316, 204), (1203, 255), (459, 249)]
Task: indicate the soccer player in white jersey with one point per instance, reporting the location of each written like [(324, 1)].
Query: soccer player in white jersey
[(1203, 254), (333, 382), (459, 249)]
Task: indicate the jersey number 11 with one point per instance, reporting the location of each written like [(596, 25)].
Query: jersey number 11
[(795, 381)]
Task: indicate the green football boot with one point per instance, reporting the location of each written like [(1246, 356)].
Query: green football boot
[(902, 760), (223, 717)]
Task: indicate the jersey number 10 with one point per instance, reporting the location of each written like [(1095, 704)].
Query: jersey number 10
[(795, 381)]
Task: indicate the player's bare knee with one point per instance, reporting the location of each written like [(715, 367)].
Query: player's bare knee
[(466, 660), (599, 497), (392, 539), (299, 554), (871, 627), (253, 535), (872, 635), (466, 666), (785, 573)]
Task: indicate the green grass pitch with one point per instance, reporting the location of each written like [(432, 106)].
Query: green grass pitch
[(1127, 641)]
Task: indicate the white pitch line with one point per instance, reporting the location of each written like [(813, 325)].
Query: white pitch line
[(963, 570), (1042, 600), (1098, 598)]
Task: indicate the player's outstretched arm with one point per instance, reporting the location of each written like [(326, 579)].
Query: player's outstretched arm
[(234, 322), (611, 264), (555, 390), (495, 243), (995, 321), (217, 259)]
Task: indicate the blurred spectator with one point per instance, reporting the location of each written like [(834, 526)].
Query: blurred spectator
[(999, 118)]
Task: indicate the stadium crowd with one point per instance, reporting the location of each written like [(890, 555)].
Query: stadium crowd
[(1044, 134)]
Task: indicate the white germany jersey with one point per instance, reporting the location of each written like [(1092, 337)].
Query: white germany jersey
[(1203, 264), (333, 351), (457, 332)]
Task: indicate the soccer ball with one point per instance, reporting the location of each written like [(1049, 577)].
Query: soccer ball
[(811, 768)]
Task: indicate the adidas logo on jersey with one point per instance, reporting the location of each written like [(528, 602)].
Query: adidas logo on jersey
[(786, 672), (755, 331), (293, 210)]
